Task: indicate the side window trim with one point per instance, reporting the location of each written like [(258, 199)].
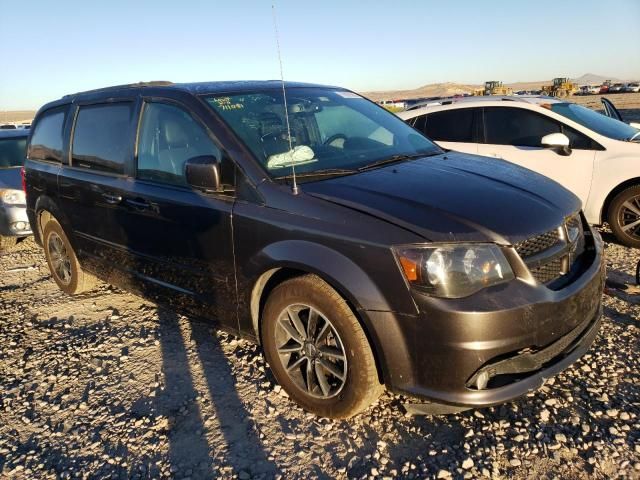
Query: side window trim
[(126, 173)]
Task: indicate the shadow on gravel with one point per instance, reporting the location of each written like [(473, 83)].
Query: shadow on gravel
[(245, 450), (619, 317), (188, 446), (22, 286)]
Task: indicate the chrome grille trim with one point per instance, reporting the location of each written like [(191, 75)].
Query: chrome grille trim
[(551, 254), (534, 245)]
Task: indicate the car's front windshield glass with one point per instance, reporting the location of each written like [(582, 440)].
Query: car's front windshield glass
[(332, 131), (12, 152), (599, 123)]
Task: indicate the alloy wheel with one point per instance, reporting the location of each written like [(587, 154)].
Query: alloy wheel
[(311, 351), (630, 217), (60, 259)]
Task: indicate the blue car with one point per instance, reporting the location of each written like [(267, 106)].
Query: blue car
[(14, 223)]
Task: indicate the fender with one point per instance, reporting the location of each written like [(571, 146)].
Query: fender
[(337, 270), (44, 202)]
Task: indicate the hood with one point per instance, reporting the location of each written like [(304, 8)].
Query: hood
[(455, 197), (10, 178)]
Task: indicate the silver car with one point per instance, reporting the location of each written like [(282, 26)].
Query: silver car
[(14, 223)]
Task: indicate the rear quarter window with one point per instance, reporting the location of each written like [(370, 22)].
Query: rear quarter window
[(46, 140), (102, 137)]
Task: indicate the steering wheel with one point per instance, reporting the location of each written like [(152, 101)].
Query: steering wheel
[(333, 138)]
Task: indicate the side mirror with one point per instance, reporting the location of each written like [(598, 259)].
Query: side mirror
[(558, 142), (203, 172)]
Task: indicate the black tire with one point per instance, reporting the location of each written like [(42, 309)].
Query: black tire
[(7, 243), (620, 216), (361, 385), (78, 280)]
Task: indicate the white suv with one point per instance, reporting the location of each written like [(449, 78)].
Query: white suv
[(594, 156)]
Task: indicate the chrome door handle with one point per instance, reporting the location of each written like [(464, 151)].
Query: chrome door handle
[(138, 204), (112, 199)]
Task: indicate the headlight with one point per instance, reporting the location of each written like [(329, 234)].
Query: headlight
[(12, 197), (453, 271)]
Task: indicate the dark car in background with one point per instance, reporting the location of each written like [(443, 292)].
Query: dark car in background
[(355, 250), (14, 223)]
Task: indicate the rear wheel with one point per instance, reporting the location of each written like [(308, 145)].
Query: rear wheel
[(7, 242), (63, 263), (624, 216), (317, 349)]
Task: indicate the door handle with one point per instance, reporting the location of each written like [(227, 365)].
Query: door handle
[(138, 204), (112, 199)]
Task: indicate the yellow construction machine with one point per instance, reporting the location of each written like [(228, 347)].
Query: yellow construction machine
[(561, 87), (493, 87)]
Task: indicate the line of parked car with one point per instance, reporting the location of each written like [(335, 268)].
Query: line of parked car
[(607, 87), (359, 252)]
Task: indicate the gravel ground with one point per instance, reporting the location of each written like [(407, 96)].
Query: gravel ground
[(107, 385)]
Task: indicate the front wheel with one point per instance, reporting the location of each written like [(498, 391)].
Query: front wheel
[(624, 216), (317, 349)]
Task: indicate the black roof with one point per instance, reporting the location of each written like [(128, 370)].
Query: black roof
[(14, 133), (195, 88), (198, 88)]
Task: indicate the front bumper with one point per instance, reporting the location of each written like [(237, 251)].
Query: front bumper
[(494, 346), (14, 221)]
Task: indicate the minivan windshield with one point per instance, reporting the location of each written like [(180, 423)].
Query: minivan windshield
[(599, 123), (12, 152), (333, 132)]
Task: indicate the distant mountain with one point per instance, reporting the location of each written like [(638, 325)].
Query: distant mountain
[(593, 79)]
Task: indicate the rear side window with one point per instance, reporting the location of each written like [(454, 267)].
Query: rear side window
[(46, 140), (517, 127), (450, 125), (12, 151), (102, 137)]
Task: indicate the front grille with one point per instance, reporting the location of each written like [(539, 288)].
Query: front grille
[(540, 243), (548, 272), (562, 247)]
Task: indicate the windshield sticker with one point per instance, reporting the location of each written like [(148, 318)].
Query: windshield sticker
[(348, 95), (224, 103)]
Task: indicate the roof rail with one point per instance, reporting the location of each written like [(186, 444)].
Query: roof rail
[(154, 83), (470, 98)]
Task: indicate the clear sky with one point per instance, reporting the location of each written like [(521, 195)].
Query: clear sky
[(54, 47)]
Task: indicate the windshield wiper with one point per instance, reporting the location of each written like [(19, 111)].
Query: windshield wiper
[(396, 158), (322, 173)]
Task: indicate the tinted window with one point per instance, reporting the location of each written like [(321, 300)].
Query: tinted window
[(46, 141), (450, 125), (517, 126), (12, 152), (578, 140), (101, 137), (169, 136)]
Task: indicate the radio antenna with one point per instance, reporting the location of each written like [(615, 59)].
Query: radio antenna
[(284, 97)]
